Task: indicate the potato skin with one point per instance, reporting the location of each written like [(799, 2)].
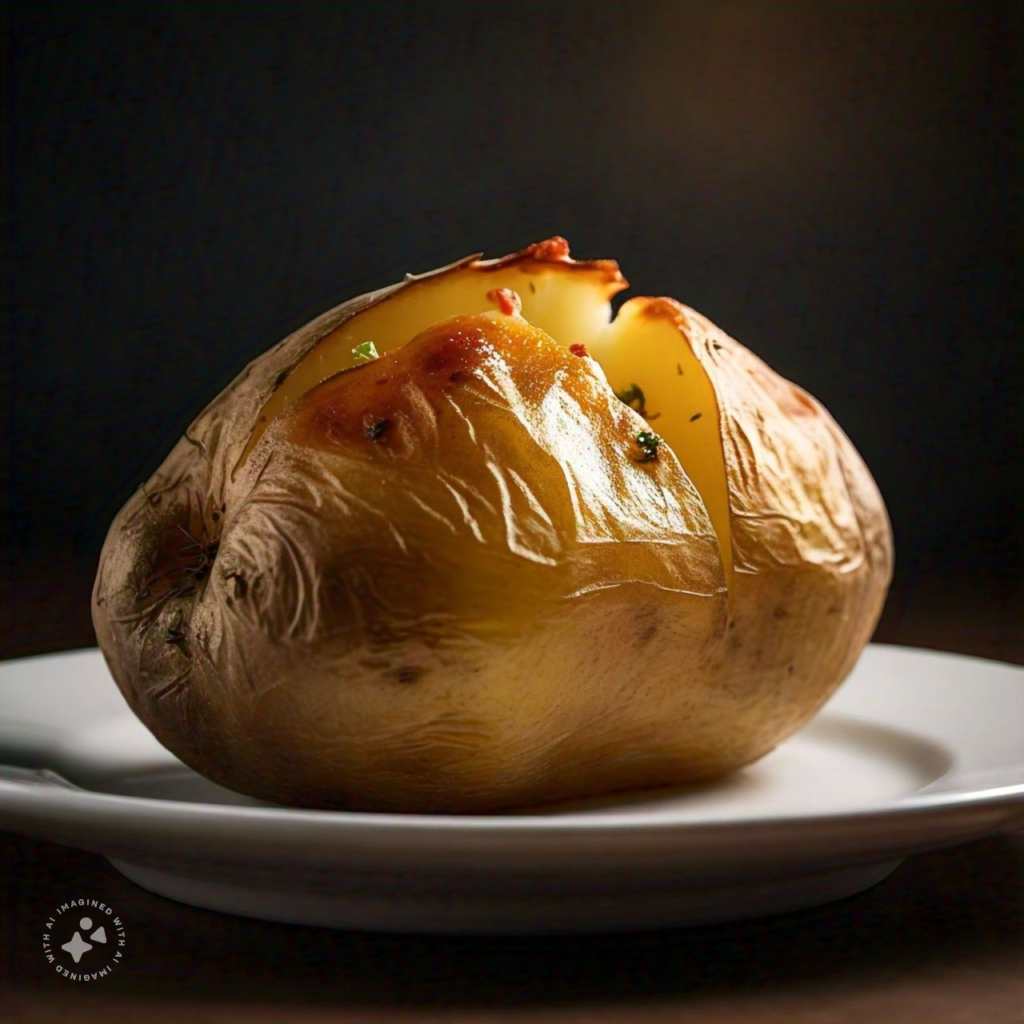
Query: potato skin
[(811, 541), (434, 582), (445, 582)]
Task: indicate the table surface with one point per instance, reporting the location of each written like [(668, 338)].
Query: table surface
[(940, 941)]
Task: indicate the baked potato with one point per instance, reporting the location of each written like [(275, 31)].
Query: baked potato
[(470, 543)]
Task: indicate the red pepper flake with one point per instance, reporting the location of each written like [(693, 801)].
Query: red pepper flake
[(579, 350), (506, 300), (556, 248)]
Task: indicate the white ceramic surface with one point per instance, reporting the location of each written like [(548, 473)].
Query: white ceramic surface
[(917, 750)]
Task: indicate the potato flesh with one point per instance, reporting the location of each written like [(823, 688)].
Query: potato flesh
[(641, 347), (571, 305)]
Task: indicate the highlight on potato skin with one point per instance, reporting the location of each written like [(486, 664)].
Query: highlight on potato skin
[(516, 552)]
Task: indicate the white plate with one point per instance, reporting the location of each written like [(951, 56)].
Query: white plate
[(917, 750)]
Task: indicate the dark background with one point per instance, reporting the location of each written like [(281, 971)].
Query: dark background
[(833, 183)]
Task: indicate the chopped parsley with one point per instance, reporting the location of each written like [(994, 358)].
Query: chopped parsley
[(649, 442), (367, 350), (374, 429), (633, 396)]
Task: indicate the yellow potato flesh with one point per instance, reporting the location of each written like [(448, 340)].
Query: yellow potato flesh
[(641, 348), (572, 306), (569, 306)]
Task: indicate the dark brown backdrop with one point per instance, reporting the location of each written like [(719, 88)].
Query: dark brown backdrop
[(833, 183)]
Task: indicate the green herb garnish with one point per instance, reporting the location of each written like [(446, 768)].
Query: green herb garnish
[(367, 350), (633, 396), (374, 429), (648, 442)]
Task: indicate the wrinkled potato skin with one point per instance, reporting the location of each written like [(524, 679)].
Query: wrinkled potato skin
[(490, 601), (811, 541)]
